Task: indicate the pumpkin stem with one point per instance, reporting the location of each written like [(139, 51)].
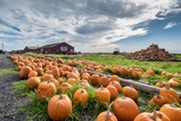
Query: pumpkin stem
[(82, 91), (60, 96), (154, 116), (108, 110), (158, 95), (49, 81)]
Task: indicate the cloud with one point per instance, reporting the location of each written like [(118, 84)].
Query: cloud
[(92, 23), (170, 25)]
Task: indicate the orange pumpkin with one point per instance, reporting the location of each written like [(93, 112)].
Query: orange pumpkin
[(59, 107), (81, 97), (125, 109), (174, 82), (158, 100), (46, 89), (104, 81), (114, 78), (154, 116), (106, 116), (94, 78), (39, 70), (173, 112), (131, 92), (32, 74), (47, 77), (117, 85), (56, 72), (33, 82), (103, 94), (113, 91), (170, 94), (162, 84), (25, 70), (65, 86)]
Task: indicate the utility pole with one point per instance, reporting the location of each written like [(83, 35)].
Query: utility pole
[(2, 46)]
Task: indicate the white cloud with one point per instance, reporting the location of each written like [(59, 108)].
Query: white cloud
[(170, 25), (92, 23)]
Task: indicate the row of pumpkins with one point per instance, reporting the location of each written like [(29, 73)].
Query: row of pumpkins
[(46, 75)]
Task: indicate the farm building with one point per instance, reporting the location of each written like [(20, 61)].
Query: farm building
[(56, 48), (152, 53)]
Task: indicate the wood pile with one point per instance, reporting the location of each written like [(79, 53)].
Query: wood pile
[(152, 53)]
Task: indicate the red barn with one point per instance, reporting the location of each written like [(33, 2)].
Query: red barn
[(56, 48)]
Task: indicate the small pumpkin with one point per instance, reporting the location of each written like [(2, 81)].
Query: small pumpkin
[(117, 85), (56, 72), (46, 89), (154, 116), (114, 78), (59, 107), (158, 100), (131, 92), (174, 82), (113, 91), (125, 109), (173, 112), (32, 74), (104, 81), (33, 82), (106, 116), (94, 78), (103, 94), (65, 86), (81, 97), (47, 77), (162, 84)]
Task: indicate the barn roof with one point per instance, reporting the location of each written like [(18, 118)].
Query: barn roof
[(32, 47), (53, 45)]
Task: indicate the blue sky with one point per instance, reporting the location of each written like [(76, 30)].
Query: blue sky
[(91, 25)]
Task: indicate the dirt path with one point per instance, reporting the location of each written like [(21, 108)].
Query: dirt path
[(9, 101)]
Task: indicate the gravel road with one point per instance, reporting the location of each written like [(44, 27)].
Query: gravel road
[(9, 101)]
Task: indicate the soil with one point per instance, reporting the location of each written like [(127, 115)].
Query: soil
[(9, 101)]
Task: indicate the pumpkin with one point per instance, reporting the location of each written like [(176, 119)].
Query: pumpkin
[(46, 89), (158, 100), (39, 70), (174, 82), (154, 116), (25, 70), (47, 77), (56, 72), (103, 94), (73, 75), (59, 107), (170, 94), (162, 84), (173, 112), (131, 92), (85, 76), (125, 109), (33, 82), (150, 72), (32, 74), (123, 71), (106, 116), (71, 80), (94, 78), (113, 91), (114, 78), (81, 97), (65, 86), (61, 80), (117, 85), (104, 81)]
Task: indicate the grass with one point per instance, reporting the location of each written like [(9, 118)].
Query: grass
[(8, 71)]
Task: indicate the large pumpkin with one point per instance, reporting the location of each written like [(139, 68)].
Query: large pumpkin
[(155, 116), (47, 77), (103, 94), (46, 89), (131, 92), (113, 91), (125, 109), (25, 70), (94, 78), (170, 94), (106, 116), (59, 107), (104, 81), (173, 112), (117, 85), (81, 97)]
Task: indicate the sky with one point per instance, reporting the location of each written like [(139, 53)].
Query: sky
[(91, 25)]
